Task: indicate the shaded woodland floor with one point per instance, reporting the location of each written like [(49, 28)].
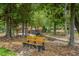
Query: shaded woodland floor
[(53, 48)]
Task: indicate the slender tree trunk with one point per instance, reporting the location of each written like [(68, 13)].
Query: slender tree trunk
[(26, 30), (54, 28), (7, 28), (10, 29), (71, 39), (65, 13), (13, 28), (23, 28), (44, 29)]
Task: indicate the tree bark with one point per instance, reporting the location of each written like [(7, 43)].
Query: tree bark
[(71, 39), (77, 22), (23, 29), (65, 13), (54, 28), (8, 21), (26, 30)]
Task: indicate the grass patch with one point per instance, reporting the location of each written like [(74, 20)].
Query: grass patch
[(6, 52)]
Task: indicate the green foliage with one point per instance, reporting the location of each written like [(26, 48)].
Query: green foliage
[(6, 52), (36, 15)]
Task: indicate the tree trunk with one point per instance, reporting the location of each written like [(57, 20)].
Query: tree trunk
[(71, 40), (54, 28), (77, 22), (8, 22), (23, 29), (8, 19), (8, 28), (44, 29), (26, 30), (65, 13)]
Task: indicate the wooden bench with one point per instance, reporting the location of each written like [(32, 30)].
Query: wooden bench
[(37, 42)]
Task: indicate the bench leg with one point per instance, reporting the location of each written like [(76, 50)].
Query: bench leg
[(43, 47), (24, 44), (27, 45), (30, 45), (39, 48), (34, 46)]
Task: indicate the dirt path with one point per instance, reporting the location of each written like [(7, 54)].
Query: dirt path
[(61, 38)]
